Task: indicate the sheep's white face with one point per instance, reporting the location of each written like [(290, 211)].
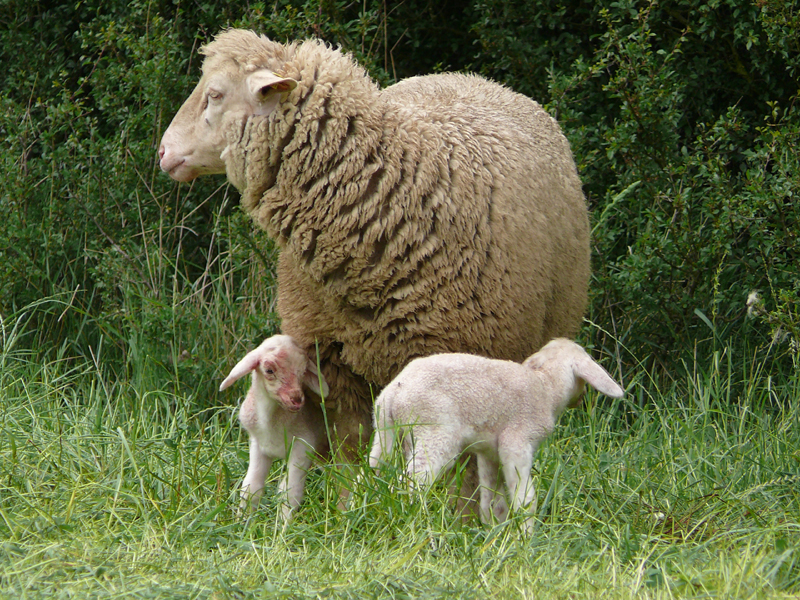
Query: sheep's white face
[(281, 373), (281, 369), (195, 141)]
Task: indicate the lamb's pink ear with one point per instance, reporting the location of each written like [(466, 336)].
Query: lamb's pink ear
[(242, 368), (597, 377), (262, 85), (314, 380)]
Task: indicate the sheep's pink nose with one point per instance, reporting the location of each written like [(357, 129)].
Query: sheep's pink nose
[(294, 400), (161, 151)]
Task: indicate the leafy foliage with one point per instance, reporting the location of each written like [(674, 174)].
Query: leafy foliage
[(682, 118), (682, 115)]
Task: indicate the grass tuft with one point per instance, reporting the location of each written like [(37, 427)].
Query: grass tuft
[(109, 490)]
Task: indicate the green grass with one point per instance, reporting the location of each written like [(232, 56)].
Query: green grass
[(686, 489)]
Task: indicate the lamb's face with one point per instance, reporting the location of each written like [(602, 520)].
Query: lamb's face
[(281, 372), (576, 398), (569, 369), (226, 96)]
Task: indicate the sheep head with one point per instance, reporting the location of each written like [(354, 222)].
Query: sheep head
[(236, 84), (569, 367), (280, 369)]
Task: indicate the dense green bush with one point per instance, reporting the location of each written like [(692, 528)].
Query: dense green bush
[(127, 258), (682, 118), (682, 115)]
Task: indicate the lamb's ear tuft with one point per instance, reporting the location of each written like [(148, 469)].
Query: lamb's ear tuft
[(597, 377), (314, 380), (242, 368)]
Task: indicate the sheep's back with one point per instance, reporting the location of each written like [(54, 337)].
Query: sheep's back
[(470, 392), (494, 258)]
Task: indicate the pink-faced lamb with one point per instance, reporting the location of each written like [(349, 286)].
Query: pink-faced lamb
[(281, 424), (498, 410)]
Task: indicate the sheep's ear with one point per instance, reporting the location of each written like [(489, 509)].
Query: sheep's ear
[(314, 380), (242, 368), (262, 85), (597, 377)]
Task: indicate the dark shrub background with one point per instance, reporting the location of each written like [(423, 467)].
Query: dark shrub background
[(682, 116)]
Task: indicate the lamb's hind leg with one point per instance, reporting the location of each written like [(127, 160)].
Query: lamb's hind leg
[(492, 501), (516, 457), (431, 452)]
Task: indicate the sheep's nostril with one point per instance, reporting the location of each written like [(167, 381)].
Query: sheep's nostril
[(161, 151)]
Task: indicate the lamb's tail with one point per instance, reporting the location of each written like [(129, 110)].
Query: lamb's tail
[(385, 432)]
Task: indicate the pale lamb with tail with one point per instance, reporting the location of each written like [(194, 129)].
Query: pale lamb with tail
[(281, 424), (498, 410)]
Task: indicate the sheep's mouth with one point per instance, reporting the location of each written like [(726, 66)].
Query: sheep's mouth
[(293, 405), (182, 172)]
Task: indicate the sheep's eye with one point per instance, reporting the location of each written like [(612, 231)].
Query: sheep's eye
[(269, 372), (214, 95)]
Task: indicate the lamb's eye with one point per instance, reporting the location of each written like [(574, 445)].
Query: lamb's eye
[(269, 372), (214, 95)]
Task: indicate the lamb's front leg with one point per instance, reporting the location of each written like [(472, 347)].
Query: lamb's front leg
[(294, 482), (253, 484)]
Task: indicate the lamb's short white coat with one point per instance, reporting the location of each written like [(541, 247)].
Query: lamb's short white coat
[(280, 423), (498, 410)]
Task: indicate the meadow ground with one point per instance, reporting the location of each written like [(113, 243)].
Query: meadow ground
[(682, 489)]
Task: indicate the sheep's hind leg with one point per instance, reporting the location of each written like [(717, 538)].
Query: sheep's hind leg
[(492, 501), (517, 460), (348, 418)]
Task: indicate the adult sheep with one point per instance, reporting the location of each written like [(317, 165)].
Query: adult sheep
[(441, 214)]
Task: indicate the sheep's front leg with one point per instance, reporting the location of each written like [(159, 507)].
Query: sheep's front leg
[(492, 500), (517, 460), (294, 482), (253, 484)]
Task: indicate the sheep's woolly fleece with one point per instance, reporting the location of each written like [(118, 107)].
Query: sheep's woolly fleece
[(441, 214)]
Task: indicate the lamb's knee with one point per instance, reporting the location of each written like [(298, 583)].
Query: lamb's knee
[(500, 508), (517, 460), (421, 472)]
